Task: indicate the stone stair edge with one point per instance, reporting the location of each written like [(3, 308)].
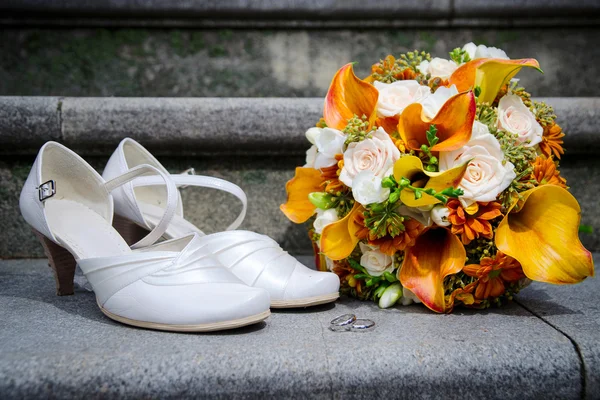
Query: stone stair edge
[(201, 126), (305, 14)]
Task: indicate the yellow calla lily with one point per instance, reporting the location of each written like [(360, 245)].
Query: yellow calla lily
[(298, 207), (436, 254), (454, 123), (348, 96), (339, 238), (490, 74), (411, 168), (542, 234)]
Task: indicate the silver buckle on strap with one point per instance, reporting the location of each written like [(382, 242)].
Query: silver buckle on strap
[(47, 190)]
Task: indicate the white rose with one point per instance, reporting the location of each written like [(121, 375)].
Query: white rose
[(486, 175), (438, 67), (374, 261), (439, 215), (433, 103), (377, 155), (311, 155), (328, 142), (324, 218), (395, 97), (366, 188), (482, 51), (515, 117)]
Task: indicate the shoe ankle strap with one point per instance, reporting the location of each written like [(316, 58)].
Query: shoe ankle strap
[(186, 179), (172, 198)]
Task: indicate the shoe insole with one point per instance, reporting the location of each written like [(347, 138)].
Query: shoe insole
[(82, 231), (177, 228)]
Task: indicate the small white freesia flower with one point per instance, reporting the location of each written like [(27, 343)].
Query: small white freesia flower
[(366, 188), (487, 173), (376, 154), (433, 103), (312, 133), (515, 117), (324, 218), (482, 51), (328, 142), (390, 295), (311, 155), (395, 97), (439, 215), (374, 261), (421, 214), (438, 67), (408, 297)]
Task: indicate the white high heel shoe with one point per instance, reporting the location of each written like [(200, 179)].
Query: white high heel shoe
[(256, 259), (175, 285)]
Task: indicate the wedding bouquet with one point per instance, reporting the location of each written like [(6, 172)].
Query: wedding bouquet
[(437, 181)]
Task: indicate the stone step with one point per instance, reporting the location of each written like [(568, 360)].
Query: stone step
[(265, 62), (544, 345), (255, 143), (308, 13)]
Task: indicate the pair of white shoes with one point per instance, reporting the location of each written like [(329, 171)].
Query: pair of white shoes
[(188, 282)]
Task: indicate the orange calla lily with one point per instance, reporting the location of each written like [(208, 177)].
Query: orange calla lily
[(411, 168), (436, 254), (298, 208), (339, 239), (542, 235), (348, 96), (454, 123), (490, 74)]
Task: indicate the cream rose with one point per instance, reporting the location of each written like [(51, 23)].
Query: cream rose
[(433, 103), (366, 188), (482, 51), (374, 261), (324, 218), (327, 142), (376, 154), (487, 174), (515, 117), (395, 97), (438, 67)]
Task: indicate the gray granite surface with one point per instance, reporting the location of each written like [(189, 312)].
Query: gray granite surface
[(64, 347), (208, 126)]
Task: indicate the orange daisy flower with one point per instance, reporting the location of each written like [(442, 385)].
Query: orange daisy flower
[(545, 172), (387, 244), (390, 245), (492, 273), (464, 295), (552, 141), (473, 222)]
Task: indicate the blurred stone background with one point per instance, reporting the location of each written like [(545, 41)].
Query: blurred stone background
[(256, 49), (265, 62)]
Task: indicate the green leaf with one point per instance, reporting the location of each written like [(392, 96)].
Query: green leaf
[(586, 229), (390, 277), (356, 265)]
